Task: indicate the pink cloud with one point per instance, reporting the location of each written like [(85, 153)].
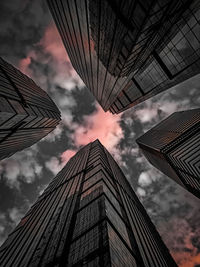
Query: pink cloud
[(55, 56), (24, 63), (55, 163), (99, 125), (52, 43), (185, 259), (66, 155), (183, 250)]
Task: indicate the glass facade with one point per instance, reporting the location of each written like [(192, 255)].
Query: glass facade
[(128, 51), (87, 216), (172, 146), (27, 113)]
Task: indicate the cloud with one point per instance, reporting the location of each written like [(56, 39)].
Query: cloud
[(15, 214), (24, 65), (183, 247), (10, 218), (45, 60), (99, 125), (146, 114), (2, 227), (141, 192), (50, 54), (54, 165), (146, 178), (22, 166), (66, 155), (48, 64), (53, 45), (171, 208), (12, 172), (54, 135), (169, 107), (66, 102), (65, 76), (188, 260)]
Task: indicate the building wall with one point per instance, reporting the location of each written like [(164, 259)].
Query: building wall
[(87, 216), (27, 113), (185, 159), (172, 146), (128, 51)]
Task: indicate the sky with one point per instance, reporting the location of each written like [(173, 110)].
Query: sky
[(30, 41)]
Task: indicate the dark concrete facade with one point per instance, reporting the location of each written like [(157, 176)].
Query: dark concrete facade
[(87, 216), (173, 146), (128, 51), (27, 113)]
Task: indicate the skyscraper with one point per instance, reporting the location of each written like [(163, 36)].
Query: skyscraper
[(173, 147), (27, 113), (128, 51), (87, 216)]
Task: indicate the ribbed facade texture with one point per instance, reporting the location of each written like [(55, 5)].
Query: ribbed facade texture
[(173, 146), (87, 216), (130, 50), (27, 113)]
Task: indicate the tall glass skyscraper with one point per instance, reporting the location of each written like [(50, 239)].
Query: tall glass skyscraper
[(27, 113), (173, 146), (88, 216), (130, 50)]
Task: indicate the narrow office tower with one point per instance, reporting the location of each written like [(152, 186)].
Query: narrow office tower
[(130, 50), (27, 113), (87, 216), (173, 147)]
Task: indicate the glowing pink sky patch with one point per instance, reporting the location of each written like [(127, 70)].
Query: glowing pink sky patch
[(52, 43), (99, 125), (66, 155)]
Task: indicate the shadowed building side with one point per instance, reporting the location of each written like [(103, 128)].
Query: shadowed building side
[(87, 216), (173, 145), (27, 113), (128, 51)]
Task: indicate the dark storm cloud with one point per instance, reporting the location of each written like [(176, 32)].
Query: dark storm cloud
[(22, 24), (86, 103)]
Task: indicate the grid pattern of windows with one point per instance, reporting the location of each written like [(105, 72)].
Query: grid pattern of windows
[(170, 128), (150, 245), (185, 159), (172, 146), (85, 218), (40, 237), (86, 244), (128, 51), (27, 113), (149, 76), (182, 49), (120, 255)]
